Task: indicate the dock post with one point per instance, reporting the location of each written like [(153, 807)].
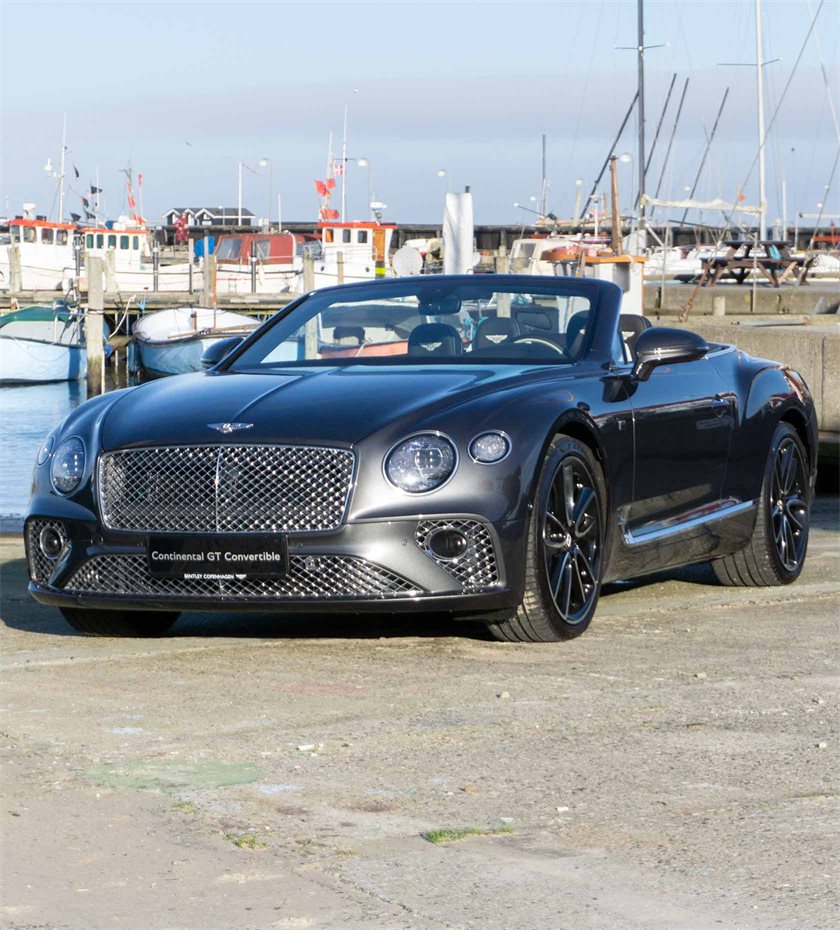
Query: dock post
[(308, 274), (719, 306), (207, 295), (94, 326), (14, 269), (253, 260), (339, 260), (155, 265), (190, 260)]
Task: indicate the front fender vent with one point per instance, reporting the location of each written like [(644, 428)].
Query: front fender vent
[(476, 568)]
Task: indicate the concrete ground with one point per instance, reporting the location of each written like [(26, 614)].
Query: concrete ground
[(674, 768)]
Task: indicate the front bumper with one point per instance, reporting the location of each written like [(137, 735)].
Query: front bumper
[(382, 565)]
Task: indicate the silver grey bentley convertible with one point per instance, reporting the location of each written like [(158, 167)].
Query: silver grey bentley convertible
[(496, 447)]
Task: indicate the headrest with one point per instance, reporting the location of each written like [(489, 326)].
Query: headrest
[(355, 335), (496, 331), (575, 330), (630, 325), (432, 339)]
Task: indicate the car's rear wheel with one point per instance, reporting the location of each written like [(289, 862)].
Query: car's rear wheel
[(776, 552), (564, 559), (139, 623)]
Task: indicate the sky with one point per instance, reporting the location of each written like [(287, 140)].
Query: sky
[(185, 91)]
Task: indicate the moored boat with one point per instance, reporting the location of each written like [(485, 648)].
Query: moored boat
[(171, 342), (40, 344)]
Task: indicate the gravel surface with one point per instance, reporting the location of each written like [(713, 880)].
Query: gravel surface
[(674, 768)]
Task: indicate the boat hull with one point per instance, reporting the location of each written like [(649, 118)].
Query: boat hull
[(178, 357), (32, 361)]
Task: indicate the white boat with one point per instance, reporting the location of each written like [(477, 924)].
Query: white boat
[(171, 342), (41, 344)]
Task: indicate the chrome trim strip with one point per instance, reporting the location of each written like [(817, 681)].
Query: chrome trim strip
[(663, 532)]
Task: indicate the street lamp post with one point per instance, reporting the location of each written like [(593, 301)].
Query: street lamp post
[(267, 163)]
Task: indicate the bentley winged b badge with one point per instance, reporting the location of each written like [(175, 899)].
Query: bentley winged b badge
[(229, 427)]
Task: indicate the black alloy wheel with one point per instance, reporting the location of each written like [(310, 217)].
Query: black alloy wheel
[(571, 540), (564, 560), (777, 548), (788, 505)]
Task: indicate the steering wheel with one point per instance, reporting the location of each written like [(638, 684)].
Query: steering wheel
[(529, 339)]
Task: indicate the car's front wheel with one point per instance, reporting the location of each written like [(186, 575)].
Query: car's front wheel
[(564, 560), (776, 552), (138, 623)]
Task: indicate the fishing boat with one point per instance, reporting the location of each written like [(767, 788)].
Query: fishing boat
[(172, 341), (41, 344)]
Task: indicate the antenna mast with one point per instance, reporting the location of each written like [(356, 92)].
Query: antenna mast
[(759, 75), (61, 172), (640, 158)]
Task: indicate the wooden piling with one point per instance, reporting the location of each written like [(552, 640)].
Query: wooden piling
[(339, 260), (308, 274), (94, 326), (15, 283)]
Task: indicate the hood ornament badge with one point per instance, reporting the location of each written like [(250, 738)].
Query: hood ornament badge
[(229, 427)]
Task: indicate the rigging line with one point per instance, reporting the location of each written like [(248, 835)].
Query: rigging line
[(825, 79), (772, 122), (711, 139), (585, 87), (671, 140)]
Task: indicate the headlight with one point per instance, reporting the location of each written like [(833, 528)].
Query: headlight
[(421, 463), (68, 466), (489, 448), (46, 448)]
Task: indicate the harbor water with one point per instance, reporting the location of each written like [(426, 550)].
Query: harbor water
[(27, 414)]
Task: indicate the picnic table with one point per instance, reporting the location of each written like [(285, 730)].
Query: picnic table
[(772, 258)]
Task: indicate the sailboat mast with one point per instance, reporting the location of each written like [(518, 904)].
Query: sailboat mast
[(759, 74), (640, 158), (61, 172), (344, 166)]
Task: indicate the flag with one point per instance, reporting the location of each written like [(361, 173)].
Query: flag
[(75, 217), (338, 169), (139, 179), (321, 188), (95, 190), (76, 170), (85, 202)]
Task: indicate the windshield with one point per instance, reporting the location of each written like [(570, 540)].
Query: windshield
[(416, 321)]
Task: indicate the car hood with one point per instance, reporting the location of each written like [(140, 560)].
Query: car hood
[(341, 405)]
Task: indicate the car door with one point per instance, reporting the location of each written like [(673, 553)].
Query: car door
[(682, 423)]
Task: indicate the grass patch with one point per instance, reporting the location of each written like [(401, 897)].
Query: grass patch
[(245, 840), (184, 807), (452, 834)]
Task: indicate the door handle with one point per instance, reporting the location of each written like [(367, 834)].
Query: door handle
[(721, 404)]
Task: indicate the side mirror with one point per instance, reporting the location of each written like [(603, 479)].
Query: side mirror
[(216, 351), (661, 345)]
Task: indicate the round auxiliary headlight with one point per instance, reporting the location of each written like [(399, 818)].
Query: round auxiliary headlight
[(68, 466), (44, 451), (489, 448), (421, 463)]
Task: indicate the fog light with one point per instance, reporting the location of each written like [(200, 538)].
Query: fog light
[(51, 543), (448, 544)]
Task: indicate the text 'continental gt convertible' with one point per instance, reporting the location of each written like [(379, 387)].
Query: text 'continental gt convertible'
[(496, 447)]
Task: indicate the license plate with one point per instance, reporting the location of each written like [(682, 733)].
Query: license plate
[(226, 558)]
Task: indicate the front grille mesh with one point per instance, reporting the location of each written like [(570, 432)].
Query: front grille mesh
[(476, 569), (197, 489), (40, 567), (309, 577)]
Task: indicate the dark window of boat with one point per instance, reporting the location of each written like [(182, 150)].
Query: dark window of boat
[(28, 234), (112, 242), (100, 240), (345, 235), (61, 237), (263, 248), (124, 242), (135, 243), (229, 250), (47, 236), (362, 235)]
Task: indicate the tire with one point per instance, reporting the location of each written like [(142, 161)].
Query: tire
[(564, 560), (776, 552), (138, 623)]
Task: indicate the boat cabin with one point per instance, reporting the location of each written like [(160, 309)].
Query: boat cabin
[(284, 248), (130, 246), (364, 241)]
